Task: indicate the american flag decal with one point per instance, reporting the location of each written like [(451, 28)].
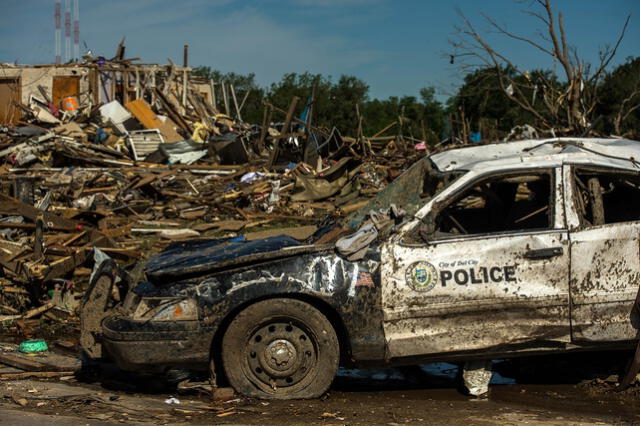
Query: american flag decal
[(364, 280)]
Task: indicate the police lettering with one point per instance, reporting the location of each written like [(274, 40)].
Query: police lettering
[(482, 275)]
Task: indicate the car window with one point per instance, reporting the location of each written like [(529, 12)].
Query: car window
[(410, 191), (604, 197), (498, 204)]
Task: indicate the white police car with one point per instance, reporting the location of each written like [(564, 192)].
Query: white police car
[(519, 247)]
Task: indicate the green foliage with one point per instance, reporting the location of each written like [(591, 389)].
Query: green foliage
[(487, 108), (434, 114), (335, 103), (424, 118), (619, 95), (480, 100), (348, 92), (302, 85)]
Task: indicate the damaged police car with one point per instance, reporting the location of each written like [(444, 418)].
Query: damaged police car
[(520, 247)]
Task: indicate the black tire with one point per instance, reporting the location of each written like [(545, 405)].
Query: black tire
[(280, 349)]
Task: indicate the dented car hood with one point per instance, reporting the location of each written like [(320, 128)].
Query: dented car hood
[(191, 258)]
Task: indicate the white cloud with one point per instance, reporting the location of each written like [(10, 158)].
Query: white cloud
[(244, 40), (224, 34)]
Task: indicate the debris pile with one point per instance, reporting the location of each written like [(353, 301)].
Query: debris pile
[(144, 157)]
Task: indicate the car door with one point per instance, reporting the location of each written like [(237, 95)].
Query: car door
[(603, 212), (502, 285)]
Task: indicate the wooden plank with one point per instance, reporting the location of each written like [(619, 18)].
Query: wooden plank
[(21, 363), (58, 267), (150, 178), (285, 130), (44, 361), (235, 102), (117, 232), (349, 208), (223, 225), (299, 233), (266, 120), (9, 93), (36, 311), (14, 206), (143, 113), (169, 132), (15, 376), (173, 114), (126, 252)]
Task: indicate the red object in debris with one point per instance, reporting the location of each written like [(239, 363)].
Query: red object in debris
[(54, 110), (79, 227), (260, 195)]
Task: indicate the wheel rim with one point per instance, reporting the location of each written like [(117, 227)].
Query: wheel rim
[(280, 354)]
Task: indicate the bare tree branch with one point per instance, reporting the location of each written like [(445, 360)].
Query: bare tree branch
[(608, 54), (558, 53), (504, 31), (538, 16), (497, 60), (622, 115), (567, 105)]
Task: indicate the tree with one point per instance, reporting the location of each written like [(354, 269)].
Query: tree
[(422, 119), (334, 103), (301, 85), (348, 92), (570, 105), (619, 101), (433, 114), (486, 107)]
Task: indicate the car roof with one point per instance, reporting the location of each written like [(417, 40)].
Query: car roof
[(531, 153)]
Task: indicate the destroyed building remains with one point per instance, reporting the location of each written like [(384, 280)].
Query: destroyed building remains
[(125, 157)]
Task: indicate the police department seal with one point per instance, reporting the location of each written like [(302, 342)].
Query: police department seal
[(421, 276)]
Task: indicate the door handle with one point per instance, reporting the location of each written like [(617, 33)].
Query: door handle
[(544, 253)]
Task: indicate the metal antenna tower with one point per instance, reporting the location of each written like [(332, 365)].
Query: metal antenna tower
[(67, 31), (76, 30), (57, 14)]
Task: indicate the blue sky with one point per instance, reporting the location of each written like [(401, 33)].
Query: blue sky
[(396, 46)]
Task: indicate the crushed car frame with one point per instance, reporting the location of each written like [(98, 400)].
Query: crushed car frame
[(503, 249)]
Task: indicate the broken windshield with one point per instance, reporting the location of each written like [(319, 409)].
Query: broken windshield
[(410, 191)]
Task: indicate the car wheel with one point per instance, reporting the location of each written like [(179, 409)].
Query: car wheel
[(280, 349)]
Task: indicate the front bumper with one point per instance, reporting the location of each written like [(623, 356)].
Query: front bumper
[(156, 345)]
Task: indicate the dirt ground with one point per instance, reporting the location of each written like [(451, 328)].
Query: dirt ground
[(566, 389)]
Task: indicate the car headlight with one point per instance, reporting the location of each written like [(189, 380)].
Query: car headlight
[(166, 309)]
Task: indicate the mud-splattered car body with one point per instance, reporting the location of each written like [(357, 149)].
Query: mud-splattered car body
[(523, 247), (180, 324)]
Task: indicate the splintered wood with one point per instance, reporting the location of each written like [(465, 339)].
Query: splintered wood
[(153, 161)]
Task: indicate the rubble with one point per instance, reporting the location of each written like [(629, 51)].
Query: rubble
[(137, 156)]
